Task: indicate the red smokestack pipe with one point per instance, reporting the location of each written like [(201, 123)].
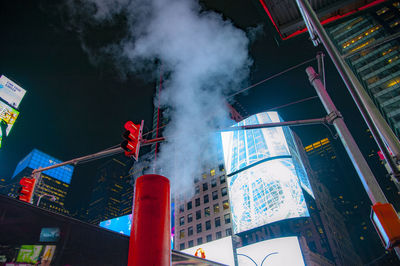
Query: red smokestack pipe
[(150, 240)]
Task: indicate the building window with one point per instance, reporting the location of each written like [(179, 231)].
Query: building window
[(215, 195), (197, 202), (225, 204), (221, 168), (196, 180), (208, 225), (190, 218), (227, 218), (228, 232), (224, 191), (181, 246), (198, 215), (190, 230), (181, 208), (207, 212), (204, 176), (199, 241), (182, 221), (206, 198), (218, 235), (217, 222), (205, 186), (213, 182), (197, 190), (222, 179), (216, 208), (181, 234), (198, 228), (212, 172), (190, 243), (209, 238), (189, 205)]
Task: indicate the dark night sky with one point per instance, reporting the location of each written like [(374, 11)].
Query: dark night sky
[(73, 108)]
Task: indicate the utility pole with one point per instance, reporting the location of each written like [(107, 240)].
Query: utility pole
[(380, 130)]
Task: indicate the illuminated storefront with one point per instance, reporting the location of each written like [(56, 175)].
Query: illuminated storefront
[(265, 174)]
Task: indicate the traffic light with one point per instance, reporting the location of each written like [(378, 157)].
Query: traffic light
[(26, 190), (132, 136)]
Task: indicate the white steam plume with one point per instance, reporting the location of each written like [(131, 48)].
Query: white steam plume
[(205, 57)]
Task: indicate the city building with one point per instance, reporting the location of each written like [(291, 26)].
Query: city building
[(267, 194), (51, 188), (367, 41), (112, 194)]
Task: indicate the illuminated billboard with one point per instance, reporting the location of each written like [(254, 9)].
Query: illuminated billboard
[(265, 174), (11, 92), (273, 252), (220, 250), (120, 224), (34, 254), (8, 115)]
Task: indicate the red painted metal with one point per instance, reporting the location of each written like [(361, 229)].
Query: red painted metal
[(150, 242), (328, 20)]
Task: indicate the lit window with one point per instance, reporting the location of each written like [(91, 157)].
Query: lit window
[(225, 204), (216, 208), (181, 234), (204, 176), (207, 211), (212, 172)]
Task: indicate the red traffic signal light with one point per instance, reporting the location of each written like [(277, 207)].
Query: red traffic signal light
[(132, 136), (27, 187)]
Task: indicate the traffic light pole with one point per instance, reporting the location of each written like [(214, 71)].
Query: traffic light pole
[(380, 130)]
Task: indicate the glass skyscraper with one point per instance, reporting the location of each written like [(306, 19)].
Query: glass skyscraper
[(265, 174), (378, 67)]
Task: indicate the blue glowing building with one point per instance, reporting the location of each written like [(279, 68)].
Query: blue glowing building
[(54, 183)]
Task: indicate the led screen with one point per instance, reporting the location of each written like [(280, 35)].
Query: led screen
[(265, 193), (219, 251), (273, 252), (29, 253), (120, 224), (11, 92), (8, 115), (243, 148)]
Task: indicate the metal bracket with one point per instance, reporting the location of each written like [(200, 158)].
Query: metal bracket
[(332, 116)]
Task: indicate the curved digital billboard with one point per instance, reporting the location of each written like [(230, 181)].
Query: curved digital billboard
[(265, 174)]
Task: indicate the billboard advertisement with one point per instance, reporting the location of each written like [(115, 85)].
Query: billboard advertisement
[(120, 224), (8, 115), (264, 174), (220, 250), (49, 234), (29, 253), (11, 92), (273, 252)]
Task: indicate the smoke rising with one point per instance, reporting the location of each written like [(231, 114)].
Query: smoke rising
[(205, 58)]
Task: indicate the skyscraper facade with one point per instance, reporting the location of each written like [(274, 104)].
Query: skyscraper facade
[(52, 187), (112, 194), (368, 42)]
